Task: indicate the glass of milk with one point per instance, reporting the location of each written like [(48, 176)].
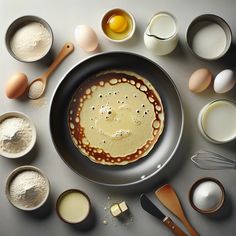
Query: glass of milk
[(161, 36)]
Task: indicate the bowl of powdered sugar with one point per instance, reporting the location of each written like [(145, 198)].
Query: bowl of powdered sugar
[(29, 38), (27, 188), (17, 135)]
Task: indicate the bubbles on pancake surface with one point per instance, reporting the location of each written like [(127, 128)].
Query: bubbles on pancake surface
[(101, 83), (88, 91), (72, 125)]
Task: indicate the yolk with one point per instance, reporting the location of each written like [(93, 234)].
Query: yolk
[(118, 23)]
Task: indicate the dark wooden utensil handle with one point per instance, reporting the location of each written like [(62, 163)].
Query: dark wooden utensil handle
[(173, 227)]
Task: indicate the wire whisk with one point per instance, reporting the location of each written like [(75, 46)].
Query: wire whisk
[(208, 160)]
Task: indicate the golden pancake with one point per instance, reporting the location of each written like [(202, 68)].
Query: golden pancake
[(115, 117)]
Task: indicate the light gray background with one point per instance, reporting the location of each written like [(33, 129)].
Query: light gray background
[(63, 16)]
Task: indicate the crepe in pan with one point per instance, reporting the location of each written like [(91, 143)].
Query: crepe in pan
[(115, 117)]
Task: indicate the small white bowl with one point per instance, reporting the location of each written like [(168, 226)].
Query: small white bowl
[(125, 12), (33, 139), (17, 171)]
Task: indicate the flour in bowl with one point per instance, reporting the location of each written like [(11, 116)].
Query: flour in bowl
[(31, 42), (28, 189), (15, 135)]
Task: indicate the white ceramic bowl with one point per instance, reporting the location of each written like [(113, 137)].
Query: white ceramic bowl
[(17, 171), (33, 139)]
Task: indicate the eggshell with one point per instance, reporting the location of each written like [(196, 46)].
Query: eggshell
[(16, 85), (224, 81), (200, 80), (86, 37)]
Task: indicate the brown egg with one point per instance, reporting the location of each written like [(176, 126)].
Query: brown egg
[(16, 85), (200, 80)]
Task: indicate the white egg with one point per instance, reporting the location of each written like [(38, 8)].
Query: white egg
[(86, 38), (224, 81)]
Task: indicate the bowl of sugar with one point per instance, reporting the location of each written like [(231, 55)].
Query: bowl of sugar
[(29, 38), (17, 135), (27, 188), (207, 195)]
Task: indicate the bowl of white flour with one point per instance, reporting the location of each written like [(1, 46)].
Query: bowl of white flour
[(27, 188), (17, 135), (29, 38)]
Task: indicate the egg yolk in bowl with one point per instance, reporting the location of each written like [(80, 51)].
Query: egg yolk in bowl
[(117, 24)]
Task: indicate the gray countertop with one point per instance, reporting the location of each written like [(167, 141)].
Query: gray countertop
[(63, 16)]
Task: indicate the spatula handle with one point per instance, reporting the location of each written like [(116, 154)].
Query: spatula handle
[(173, 227), (189, 227)]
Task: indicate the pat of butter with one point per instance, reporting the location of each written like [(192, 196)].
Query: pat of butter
[(123, 206), (115, 210), (118, 209)]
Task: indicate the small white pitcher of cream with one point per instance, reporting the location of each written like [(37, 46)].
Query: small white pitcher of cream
[(161, 35)]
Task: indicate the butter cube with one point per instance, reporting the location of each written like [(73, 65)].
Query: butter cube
[(123, 206), (115, 210)]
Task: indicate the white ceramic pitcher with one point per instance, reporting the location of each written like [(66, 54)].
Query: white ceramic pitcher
[(161, 36)]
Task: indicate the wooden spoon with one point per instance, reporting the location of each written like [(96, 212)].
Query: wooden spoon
[(170, 200), (37, 86)]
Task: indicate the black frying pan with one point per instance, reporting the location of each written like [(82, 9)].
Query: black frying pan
[(142, 169)]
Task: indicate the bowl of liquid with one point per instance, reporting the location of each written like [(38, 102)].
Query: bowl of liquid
[(209, 37), (216, 121), (118, 25), (73, 206)]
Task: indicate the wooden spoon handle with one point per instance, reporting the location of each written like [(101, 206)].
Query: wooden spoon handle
[(65, 51)]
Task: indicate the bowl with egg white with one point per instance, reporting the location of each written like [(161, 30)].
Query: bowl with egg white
[(115, 125)]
